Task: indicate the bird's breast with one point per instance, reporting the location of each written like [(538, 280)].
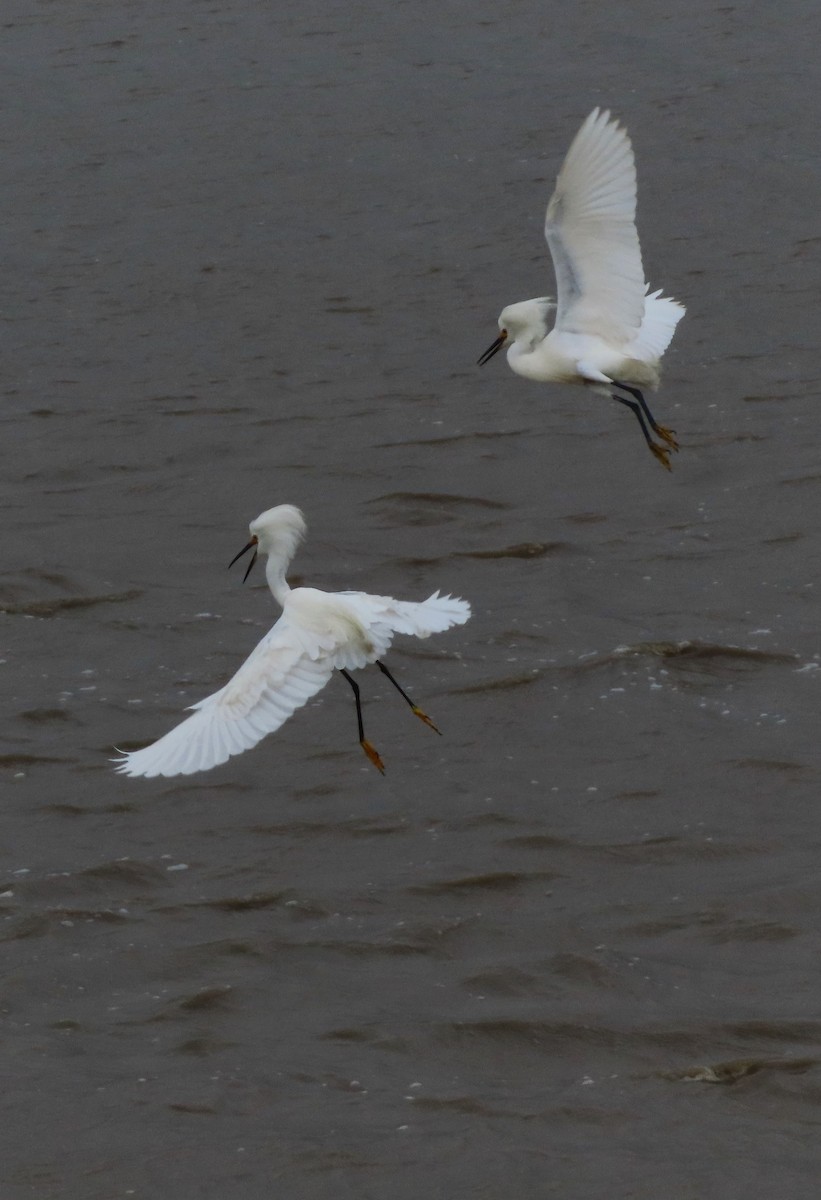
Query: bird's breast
[(544, 363)]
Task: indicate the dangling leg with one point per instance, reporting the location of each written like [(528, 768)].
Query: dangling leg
[(666, 435), (364, 743), (415, 707), (660, 452)]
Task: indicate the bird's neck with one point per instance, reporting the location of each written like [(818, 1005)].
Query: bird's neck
[(275, 570)]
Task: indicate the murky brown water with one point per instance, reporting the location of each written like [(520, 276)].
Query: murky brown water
[(571, 949)]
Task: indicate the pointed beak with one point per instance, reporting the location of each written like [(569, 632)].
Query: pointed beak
[(493, 349), (251, 546)]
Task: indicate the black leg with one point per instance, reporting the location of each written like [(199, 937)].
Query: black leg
[(363, 741), (661, 454), (414, 707), (667, 435)]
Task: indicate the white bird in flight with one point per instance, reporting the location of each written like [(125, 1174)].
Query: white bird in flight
[(317, 633), (608, 332)]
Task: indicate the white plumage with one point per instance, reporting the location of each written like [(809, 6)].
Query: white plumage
[(608, 332), (317, 633)]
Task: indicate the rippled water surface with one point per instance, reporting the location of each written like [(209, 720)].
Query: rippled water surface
[(251, 253)]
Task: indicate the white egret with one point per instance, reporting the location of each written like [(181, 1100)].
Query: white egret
[(316, 633), (608, 332)]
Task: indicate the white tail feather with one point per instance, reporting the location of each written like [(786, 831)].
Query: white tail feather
[(661, 315)]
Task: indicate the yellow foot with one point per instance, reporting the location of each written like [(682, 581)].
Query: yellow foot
[(661, 454), (373, 755), (424, 717), (668, 436)]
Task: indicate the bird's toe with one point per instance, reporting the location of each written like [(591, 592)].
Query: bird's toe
[(668, 436), (373, 755), (662, 454), (424, 717)]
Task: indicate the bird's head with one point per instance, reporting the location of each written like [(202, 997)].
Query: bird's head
[(525, 322), (277, 532)]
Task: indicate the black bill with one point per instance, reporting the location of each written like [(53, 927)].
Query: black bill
[(251, 546), (492, 349)]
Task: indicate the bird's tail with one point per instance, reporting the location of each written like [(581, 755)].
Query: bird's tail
[(661, 315)]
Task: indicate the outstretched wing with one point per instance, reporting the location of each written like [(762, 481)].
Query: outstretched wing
[(434, 615), (382, 617), (590, 228), (278, 677)]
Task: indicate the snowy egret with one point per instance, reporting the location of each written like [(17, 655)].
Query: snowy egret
[(608, 332), (317, 632)]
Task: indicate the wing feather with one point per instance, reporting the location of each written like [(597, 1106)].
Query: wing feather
[(277, 678), (384, 616), (590, 228), (289, 666)]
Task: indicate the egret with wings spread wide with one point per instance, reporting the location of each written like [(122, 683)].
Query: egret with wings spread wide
[(318, 632), (608, 332)]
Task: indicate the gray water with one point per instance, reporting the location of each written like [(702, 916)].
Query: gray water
[(251, 253)]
